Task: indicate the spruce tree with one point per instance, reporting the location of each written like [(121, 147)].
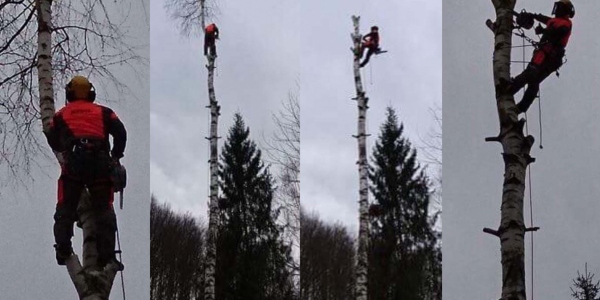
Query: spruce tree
[(404, 260), (585, 287), (251, 257)]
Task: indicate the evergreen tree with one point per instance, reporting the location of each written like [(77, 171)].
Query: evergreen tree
[(584, 287), (251, 257), (404, 254)]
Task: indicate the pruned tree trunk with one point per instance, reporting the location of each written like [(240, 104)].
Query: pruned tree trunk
[(363, 232), (202, 14), (46, 90), (90, 283), (211, 248), (516, 148)]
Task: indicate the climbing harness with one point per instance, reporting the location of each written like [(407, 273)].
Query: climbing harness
[(536, 45)]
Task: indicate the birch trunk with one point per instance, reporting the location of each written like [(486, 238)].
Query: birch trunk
[(202, 14), (211, 248), (363, 233), (90, 285), (516, 148)]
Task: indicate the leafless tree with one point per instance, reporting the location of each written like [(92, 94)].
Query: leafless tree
[(65, 38), (283, 150), (176, 249), (432, 153), (432, 144), (327, 254), (191, 15)]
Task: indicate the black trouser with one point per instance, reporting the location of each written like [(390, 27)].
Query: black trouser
[(371, 51), (70, 188), (532, 76), (209, 43)]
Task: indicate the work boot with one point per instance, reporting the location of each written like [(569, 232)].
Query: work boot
[(62, 253), (120, 266)]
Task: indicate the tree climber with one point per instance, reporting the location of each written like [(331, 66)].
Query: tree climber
[(370, 42), (548, 55), (211, 34), (80, 132)]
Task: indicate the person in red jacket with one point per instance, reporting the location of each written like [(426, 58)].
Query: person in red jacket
[(211, 34), (80, 132), (548, 56), (370, 42)]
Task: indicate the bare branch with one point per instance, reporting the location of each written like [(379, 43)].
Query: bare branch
[(189, 16)]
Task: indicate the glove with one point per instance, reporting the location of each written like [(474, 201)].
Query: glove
[(539, 29)]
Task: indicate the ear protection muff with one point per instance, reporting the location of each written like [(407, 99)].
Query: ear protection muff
[(92, 93), (68, 92)]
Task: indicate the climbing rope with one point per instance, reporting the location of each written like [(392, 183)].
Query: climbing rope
[(523, 45), (119, 251)]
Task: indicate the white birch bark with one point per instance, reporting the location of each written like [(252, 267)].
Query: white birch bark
[(90, 285), (363, 233), (211, 248), (202, 14), (516, 148)]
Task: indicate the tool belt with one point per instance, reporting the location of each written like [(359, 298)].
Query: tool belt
[(88, 159)]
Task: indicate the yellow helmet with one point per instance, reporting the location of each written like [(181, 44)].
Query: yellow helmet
[(80, 88)]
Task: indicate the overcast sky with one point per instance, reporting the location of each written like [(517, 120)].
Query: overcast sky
[(28, 265), (258, 65), (407, 78), (564, 177), (270, 48)]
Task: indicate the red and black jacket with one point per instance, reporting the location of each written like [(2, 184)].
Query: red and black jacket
[(371, 39), (555, 38), (82, 119), (212, 31)]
